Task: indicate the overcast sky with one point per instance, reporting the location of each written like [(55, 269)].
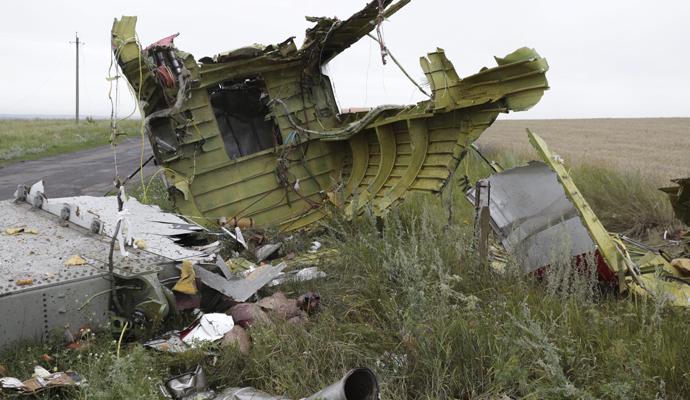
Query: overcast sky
[(616, 58)]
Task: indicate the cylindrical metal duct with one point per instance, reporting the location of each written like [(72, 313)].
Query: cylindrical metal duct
[(358, 384)]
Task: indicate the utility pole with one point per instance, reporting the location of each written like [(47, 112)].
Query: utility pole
[(77, 43)]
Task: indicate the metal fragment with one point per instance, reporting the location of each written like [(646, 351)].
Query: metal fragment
[(533, 217), (240, 289)]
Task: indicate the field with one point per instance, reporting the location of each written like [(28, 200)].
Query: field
[(658, 147), (408, 298), (36, 138)]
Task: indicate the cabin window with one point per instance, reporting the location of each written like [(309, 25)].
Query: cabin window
[(240, 107)]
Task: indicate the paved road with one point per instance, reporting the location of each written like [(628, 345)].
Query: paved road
[(86, 172)]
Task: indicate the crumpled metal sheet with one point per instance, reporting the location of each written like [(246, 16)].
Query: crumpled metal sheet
[(240, 289), (169, 342), (533, 218), (188, 385), (208, 328)]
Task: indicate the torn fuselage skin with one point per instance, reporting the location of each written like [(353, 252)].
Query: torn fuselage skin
[(256, 132), (650, 275)]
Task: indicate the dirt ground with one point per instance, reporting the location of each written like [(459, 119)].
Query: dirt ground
[(659, 147)]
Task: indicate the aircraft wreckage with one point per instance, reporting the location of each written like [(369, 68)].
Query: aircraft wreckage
[(253, 137), (537, 214), (255, 134), (250, 137)]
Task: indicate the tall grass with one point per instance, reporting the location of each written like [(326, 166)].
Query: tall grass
[(627, 201), (31, 139), (411, 301), (407, 297)]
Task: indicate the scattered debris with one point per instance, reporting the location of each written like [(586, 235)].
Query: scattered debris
[(11, 383), (239, 238), (535, 210), (231, 326), (191, 385), (302, 275), (208, 328), (140, 285), (17, 231), (315, 246), (266, 251), (187, 282), (169, 342), (241, 288), (75, 260), (240, 265), (24, 281), (42, 380), (357, 384)]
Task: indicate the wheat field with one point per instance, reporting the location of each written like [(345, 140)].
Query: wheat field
[(657, 147)]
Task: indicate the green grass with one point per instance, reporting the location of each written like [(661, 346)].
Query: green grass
[(156, 192), (412, 302), (37, 138)]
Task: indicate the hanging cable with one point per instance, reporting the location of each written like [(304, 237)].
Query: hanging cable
[(421, 89), (379, 32)]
